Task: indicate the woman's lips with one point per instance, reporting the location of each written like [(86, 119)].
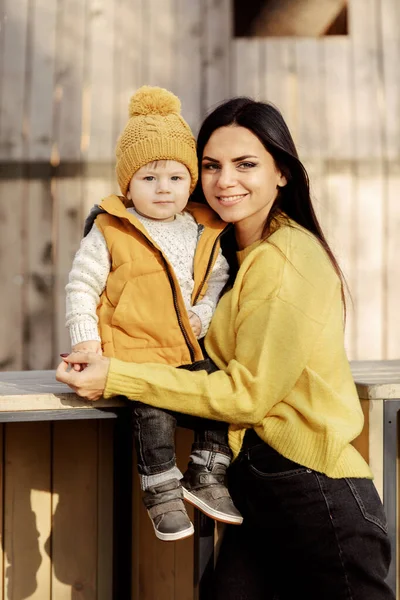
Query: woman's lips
[(231, 200)]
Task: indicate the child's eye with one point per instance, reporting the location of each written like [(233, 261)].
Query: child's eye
[(149, 178), (176, 178)]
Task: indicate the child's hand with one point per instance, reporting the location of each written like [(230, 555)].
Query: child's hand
[(89, 346), (195, 323)]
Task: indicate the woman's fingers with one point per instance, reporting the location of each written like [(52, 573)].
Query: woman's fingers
[(90, 381)]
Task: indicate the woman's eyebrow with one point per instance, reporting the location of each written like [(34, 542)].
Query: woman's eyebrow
[(244, 157)]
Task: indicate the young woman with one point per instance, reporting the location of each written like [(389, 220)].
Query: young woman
[(314, 526)]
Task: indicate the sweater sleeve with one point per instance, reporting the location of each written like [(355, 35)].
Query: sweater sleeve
[(274, 340), (205, 307), (87, 281)]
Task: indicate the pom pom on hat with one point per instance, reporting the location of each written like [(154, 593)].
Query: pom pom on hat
[(150, 100)]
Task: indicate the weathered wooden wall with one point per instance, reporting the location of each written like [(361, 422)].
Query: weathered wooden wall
[(67, 70)]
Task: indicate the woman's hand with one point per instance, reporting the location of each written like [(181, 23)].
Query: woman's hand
[(88, 346), (90, 382)]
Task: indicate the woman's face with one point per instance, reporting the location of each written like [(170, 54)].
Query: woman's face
[(240, 180)]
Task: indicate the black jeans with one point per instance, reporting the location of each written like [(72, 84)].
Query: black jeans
[(154, 432), (304, 534)]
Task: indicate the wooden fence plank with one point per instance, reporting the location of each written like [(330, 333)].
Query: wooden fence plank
[(158, 43), (188, 60), (11, 274), (2, 549), (13, 98), (279, 80), (68, 230), (390, 51), (69, 79), (392, 260), (27, 506), (105, 511), (75, 502), (39, 301), (246, 67), (340, 171), (41, 79), (99, 81), (184, 550), (128, 59), (368, 226), (217, 51)]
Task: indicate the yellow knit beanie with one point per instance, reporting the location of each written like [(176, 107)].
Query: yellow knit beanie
[(155, 131)]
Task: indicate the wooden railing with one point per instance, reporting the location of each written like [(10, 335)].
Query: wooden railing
[(73, 523)]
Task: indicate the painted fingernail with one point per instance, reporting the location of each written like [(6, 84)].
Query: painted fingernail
[(64, 354)]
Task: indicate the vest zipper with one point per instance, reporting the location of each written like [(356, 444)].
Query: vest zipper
[(210, 260), (174, 294)]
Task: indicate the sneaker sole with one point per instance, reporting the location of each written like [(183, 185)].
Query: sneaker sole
[(210, 512), (173, 537)]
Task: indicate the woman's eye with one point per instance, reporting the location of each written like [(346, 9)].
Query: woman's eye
[(246, 165), (210, 167)]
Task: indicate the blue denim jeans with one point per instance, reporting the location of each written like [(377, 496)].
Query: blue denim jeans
[(304, 534), (154, 432)]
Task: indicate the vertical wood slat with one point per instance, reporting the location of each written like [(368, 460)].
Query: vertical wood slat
[(75, 503), (27, 511), (340, 171), (41, 67), (128, 60), (246, 67), (188, 60), (217, 52), (184, 550), (279, 80), (67, 193), (38, 322), (67, 232), (12, 274), (389, 41), (98, 120), (159, 43), (13, 99), (311, 122), (368, 226), (105, 510), (39, 310), (2, 473), (12, 147)]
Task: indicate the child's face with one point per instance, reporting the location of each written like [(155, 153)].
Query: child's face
[(160, 189)]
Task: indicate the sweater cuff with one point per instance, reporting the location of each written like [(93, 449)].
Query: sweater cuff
[(121, 380), (83, 331)]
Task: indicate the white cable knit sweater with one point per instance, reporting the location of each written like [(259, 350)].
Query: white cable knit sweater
[(92, 263)]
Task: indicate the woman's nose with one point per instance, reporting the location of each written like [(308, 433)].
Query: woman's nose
[(227, 177)]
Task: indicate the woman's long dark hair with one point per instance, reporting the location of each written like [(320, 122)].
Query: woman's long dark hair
[(266, 122)]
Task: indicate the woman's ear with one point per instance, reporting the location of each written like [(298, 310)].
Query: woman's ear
[(282, 181)]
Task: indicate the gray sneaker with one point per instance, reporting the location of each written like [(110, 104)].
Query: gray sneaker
[(167, 511), (206, 490)]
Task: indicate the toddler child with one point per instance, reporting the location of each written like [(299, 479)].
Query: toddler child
[(143, 288)]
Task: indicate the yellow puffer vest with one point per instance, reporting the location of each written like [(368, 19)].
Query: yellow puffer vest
[(142, 316)]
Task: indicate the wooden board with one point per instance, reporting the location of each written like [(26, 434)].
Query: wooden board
[(27, 511), (217, 52), (75, 517)]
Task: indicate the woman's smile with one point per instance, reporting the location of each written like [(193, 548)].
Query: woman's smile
[(230, 200)]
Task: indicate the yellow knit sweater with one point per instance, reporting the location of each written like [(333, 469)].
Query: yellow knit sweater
[(277, 338)]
